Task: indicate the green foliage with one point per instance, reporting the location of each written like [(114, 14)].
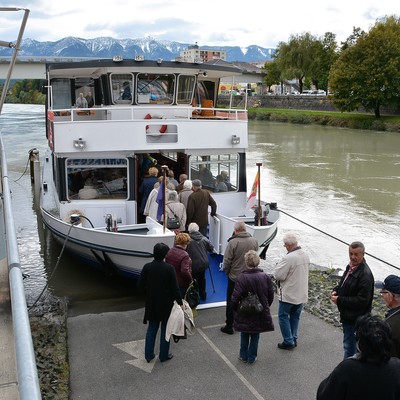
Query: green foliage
[(367, 73), (27, 91)]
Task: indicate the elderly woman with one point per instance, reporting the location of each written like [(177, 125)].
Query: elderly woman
[(185, 192), (147, 186), (181, 261), (198, 250), (254, 280), (174, 209)]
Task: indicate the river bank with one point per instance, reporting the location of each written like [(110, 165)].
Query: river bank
[(50, 337)]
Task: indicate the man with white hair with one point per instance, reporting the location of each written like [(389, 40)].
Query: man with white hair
[(292, 276)]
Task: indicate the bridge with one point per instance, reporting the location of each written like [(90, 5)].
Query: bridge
[(32, 67)]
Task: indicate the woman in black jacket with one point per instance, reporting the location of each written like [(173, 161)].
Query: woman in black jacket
[(159, 284), (254, 280)]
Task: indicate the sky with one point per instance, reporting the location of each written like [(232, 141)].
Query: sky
[(205, 22)]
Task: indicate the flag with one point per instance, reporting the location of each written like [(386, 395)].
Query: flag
[(252, 199), (160, 200)]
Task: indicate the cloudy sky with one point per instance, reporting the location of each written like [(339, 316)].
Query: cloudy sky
[(207, 22)]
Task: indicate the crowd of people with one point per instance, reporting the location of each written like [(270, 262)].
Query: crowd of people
[(371, 345)]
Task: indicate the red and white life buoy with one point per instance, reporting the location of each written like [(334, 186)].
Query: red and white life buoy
[(163, 128)]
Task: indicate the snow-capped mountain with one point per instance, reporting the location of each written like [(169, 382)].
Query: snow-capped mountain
[(129, 48)]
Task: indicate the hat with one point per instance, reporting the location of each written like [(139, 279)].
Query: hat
[(197, 183), (391, 284)]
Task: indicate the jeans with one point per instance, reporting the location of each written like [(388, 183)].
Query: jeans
[(151, 335), (349, 339), (249, 346), (289, 320), (229, 310)]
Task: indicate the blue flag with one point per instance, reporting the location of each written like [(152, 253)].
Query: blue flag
[(160, 200)]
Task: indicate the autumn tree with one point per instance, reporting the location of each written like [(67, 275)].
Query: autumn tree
[(367, 73)]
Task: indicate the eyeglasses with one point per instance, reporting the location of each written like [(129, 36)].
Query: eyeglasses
[(384, 292)]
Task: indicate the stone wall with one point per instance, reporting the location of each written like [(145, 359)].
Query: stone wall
[(295, 102)]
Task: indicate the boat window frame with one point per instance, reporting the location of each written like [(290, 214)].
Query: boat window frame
[(156, 94), (121, 87), (215, 164), (190, 92), (95, 168)]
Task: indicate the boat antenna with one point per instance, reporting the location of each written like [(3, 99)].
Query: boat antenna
[(259, 194), (164, 174)]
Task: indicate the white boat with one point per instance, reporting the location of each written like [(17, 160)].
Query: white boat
[(143, 110)]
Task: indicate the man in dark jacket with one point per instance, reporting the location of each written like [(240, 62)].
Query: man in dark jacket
[(390, 291), (238, 245), (197, 207), (159, 284), (353, 296)]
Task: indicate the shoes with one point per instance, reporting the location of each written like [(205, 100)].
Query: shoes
[(284, 346), (170, 356), (242, 359), (149, 359), (252, 362), (227, 330)]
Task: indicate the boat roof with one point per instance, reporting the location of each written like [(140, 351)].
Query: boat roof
[(99, 67)]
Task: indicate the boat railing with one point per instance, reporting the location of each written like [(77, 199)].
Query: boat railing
[(28, 382), (135, 113)]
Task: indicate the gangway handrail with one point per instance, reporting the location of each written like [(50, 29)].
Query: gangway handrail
[(28, 381)]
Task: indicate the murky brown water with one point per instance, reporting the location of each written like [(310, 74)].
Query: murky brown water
[(342, 182)]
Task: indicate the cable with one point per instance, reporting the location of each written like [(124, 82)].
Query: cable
[(333, 237), (54, 270), (26, 167)]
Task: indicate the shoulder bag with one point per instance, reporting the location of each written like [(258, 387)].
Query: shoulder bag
[(173, 223), (250, 305)]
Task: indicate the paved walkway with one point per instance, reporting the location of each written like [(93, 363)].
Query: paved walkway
[(107, 360)]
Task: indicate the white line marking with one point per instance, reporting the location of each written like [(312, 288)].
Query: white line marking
[(231, 366)]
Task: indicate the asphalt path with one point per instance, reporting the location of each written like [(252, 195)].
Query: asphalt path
[(106, 356)]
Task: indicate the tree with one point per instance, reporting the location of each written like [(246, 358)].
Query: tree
[(273, 73), (367, 73), (296, 57), (326, 53)]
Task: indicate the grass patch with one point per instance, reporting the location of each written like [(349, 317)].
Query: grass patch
[(325, 118)]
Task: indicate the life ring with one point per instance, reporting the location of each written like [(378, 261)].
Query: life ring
[(163, 128)]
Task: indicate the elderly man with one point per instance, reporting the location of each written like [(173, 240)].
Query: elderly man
[(197, 207), (390, 291), (292, 276), (353, 296), (238, 245)]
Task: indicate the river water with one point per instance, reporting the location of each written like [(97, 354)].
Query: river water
[(333, 186)]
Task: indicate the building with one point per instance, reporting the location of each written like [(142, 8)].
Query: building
[(196, 54)]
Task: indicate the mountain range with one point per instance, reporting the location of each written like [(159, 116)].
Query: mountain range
[(150, 48)]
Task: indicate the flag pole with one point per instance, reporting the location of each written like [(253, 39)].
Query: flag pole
[(164, 173), (259, 194)]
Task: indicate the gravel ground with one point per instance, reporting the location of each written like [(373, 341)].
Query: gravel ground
[(49, 331)]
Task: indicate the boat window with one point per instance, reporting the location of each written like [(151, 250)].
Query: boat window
[(155, 89), (61, 93), (121, 85), (185, 89), (97, 178), (218, 173), (84, 85)]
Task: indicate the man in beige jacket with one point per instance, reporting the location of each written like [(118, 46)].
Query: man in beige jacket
[(292, 276)]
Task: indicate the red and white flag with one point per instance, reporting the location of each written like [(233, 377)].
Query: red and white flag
[(252, 199)]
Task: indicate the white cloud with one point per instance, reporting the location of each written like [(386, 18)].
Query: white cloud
[(208, 22)]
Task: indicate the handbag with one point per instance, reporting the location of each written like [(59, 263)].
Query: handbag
[(173, 223), (250, 305), (192, 295)]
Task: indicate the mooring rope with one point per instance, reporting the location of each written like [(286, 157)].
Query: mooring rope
[(334, 237)]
